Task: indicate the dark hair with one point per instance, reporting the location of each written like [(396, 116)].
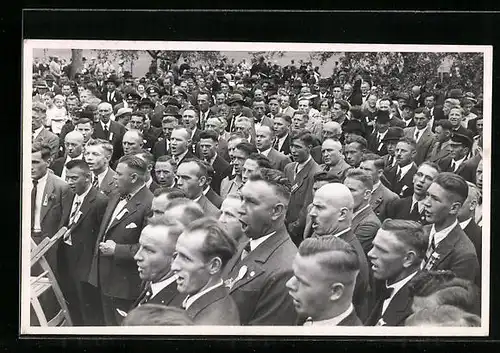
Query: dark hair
[(191, 210), (344, 105), (409, 232), (139, 114), (431, 164), (172, 193), (202, 166), (285, 117), (148, 156), (84, 121), (423, 110), (325, 176), (360, 140), (246, 147), (78, 163), (209, 134), (454, 184), (217, 242), (276, 179), (43, 148), (360, 175), (262, 161), (105, 144), (378, 161), (157, 315), (409, 141), (443, 315), (135, 163), (305, 136), (445, 124)]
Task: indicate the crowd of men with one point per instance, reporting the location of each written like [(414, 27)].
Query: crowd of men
[(229, 197)]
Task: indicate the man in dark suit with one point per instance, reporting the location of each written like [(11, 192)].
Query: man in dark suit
[(264, 137), (365, 223), (391, 139), (281, 128), (149, 159), (217, 125), (239, 151), (208, 147), (440, 149), (154, 259), (190, 120), (331, 216), (422, 134), (73, 143), (50, 202), (113, 269), (162, 145), (257, 274), (468, 224), (300, 174), (400, 177), (112, 96), (40, 135), (416, 98), (98, 155), (192, 176), (381, 196), (435, 113), (109, 130), (259, 111), (412, 207), (203, 250), (376, 139), (77, 246), (449, 247), (204, 111), (455, 117), (180, 145), (334, 162), (398, 250), (322, 266), (457, 162)]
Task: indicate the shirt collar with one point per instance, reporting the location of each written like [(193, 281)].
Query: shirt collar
[(181, 156), (37, 132), (465, 223), (334, 321), (419, 203), (82, 196), (211, 161), (405, 169), (206, 190), (255, 243), (342, 232), (360, 210), (376, 186), (382, 134), (281, 139), (158, 286), (132, 194), (439, 236), (266, 152), (44, 178), (68, 158), (191, 299), (396, 287), (300, 166), (149, 182), (198, 198), (107, 125), (460, 161)]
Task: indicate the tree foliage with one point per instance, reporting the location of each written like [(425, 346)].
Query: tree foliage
[(169, 58), (267, 55)]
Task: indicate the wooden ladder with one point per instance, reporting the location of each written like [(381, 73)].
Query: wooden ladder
[(45, 281)]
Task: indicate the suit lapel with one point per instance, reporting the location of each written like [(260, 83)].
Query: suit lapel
[(205, 300), (86, 205), (49, 189), (107, 214), (446, 246), (130, 207), (398, 307)]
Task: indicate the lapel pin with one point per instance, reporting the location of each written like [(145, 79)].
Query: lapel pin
[(252, 273), (46, 200)]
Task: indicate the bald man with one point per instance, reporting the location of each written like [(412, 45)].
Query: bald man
[(264, 138), (331, 216), (132, 142), (331, 130), (73, 146), (109, 130), (333, 158)]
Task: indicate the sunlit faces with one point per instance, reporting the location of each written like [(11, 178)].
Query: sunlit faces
[(337, 93), (324, 214), (299, 150), (189, 181), (97, 158), (439, 204), (404, 153), (168, 127), (386, 255), (38, 165), (371, 169), (359, 192), (189, 119), (384, 105), (238, 160), (203, 101), (479, 175), (73, 144), (299, 121), (421, 120), (59, 102), (285, 102), (423, 178), (429, 102), (37, 120), (274, 106), (231, 146), (136, 122), (259, 108), (165, 173), (208, 148), (455, 116), (179, 141), (132, 142), (77, 180), (353, 154), (125, 178), (159, 205), (280, 126), (249, 167), (243, 126), (105, 111), (263, 138), (304, 105), (331, 151)]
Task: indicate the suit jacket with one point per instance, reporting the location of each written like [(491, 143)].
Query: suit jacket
[(475, 234), (424, 144), (108, 184), (266, 121), (214, 308), (261, 294), (456, 253), (285, 148), (116, 132), (395, 121), (209, 208), (351, 320), (373, 144), (301, 196), (401, 208), (222, 149), (365, 226), (397, 311), (117, 98), (153, 186), (466, 170), (438, 151), (316, 154), (403, 187), (168, 296), (278, 160), (288, 111), (58, 165), (161, 147), (201, 124), (116, 275), (230, 185), (379, 200), (50, 139), (222, 169), (214, 198), (77, 258)]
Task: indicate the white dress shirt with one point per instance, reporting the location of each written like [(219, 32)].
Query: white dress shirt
[(37, 132), (266, 152), (191, 299), (465, 223), (360, 210), (40, 188), (78, 199), (457, 163), (420, 204), (404, 170), (107, 126), (100, 177), (254, 243), (158, 286), (121, 205), (420, 133), (396, 287), (334, 321), (68, 158), (342, 232), (281, 141), (439, 236), (301, 166)]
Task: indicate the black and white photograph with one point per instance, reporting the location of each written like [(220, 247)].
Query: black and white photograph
[(238, 188)]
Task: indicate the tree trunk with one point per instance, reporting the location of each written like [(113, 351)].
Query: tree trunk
[(76, 62)]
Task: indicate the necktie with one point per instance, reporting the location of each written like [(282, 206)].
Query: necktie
[(147, 295), (106, 132), (276, 144), (76, 207), (430, 250), (246, 250), (453, 165), (95, 182), (385, 293), (125, 197), (417, 133), (414, 213), (398, 174), (33, 202)]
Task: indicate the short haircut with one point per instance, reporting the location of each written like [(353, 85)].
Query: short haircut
[(217, 242), (157, 315), (410, 233), (305, 136), (247, 147), (285, 117), (454, 184), (336, 255), (84, 121), (135, 163), (459, 108), (235, 135), (191, 210), (202, 167), (361, 176), (209, 134), (325, 176), (431, 164), (360, 140), (148, 156), (139, 114), (187, 130), (445, 124), (378, 161), (105, 144), (277, 180), (409, 141), (43, 148), (443, 315), (423, 110), (344, 105), (262, 161), (39, 107), (302, 113), (172, 193), (78, 163), (170, 119), (166, 158)]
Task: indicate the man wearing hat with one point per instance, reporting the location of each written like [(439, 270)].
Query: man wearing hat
[(123, 115), (407, 112), (158, 108), (390, 140), (375, 140), (458, 163), (236, 102), (112, 96), (352, 127), (324, 92), (51, 86), (40, 89)]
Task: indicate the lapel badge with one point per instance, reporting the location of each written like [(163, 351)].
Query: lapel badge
[(381, 322), (46, 200), (252, 273)]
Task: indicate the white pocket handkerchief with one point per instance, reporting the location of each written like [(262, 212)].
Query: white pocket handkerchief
[(131, 226)]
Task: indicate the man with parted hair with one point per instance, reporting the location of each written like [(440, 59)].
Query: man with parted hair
[(154, 259), (253, 164), (238, 153), (422, 134), (162, 146), (183, 210), (400, 177), (180, 144), (73, 146), (449, 248), (218, 125), (114, 270), (322, 285), (331, 216), (85, 126), (281, 128), (162, 198), (165, 171), (398, 250), (98, 154), (201, 253), (209, 141), (355, 147), (190, 120), (257, 274), (365, 223), (147, 157), (110, 130)]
